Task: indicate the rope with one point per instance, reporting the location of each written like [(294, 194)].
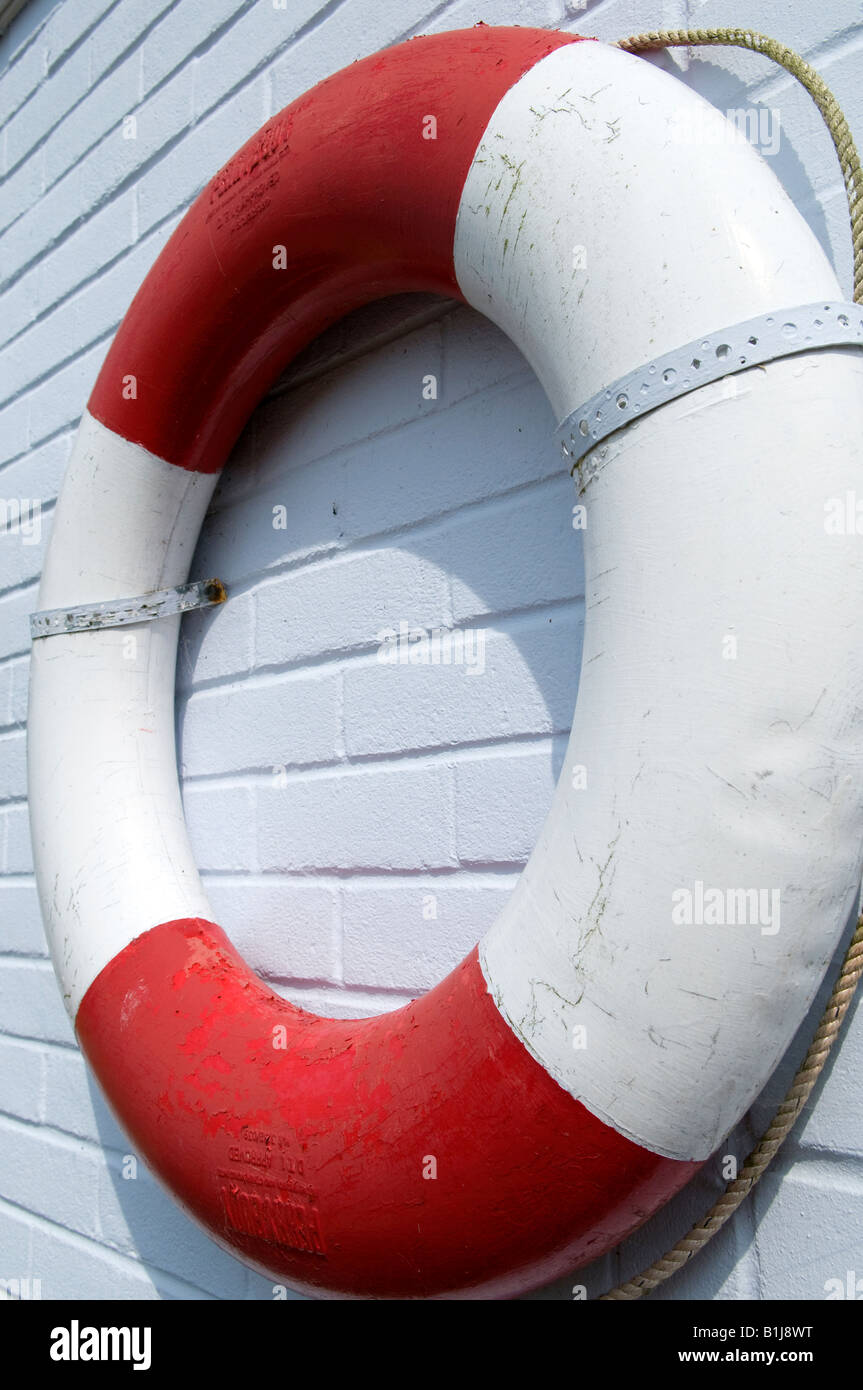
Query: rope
[(827, 1031)]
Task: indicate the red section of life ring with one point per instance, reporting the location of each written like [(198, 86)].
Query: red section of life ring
[(365, 206), (419, 1153)]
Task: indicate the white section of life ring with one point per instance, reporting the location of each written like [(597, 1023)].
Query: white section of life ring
[(126, 523), (705, 522)]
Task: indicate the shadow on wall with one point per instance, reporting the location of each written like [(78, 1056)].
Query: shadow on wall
[(355, 511)]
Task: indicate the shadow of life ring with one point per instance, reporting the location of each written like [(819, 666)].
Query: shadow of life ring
[(702, 853)]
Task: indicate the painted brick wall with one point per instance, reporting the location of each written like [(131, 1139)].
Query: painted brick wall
[(358, 825)]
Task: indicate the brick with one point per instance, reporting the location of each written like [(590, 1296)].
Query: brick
[(123, 28), (188, 166), (830, 1121), (42, 225), (261, 725), (20, 691), (49, 108), (502, 799), (98, 112), (56, 1177), (58, 403), (6, 677), (729, 71), (344, 604), (14, 430), (105, 235), (88, 184), (23, 542), (373, 326), (794, 1204), (19, 855), (22, 189), (374, 486), (21, 78), (181, 32), (476, 356), (160, 119), (138, 1217), (286, 928), (74, 1103), (542, 14), (216, 642), (378, 392), (68, 25), (249, 44), (392, 940), (21, 915), (30, 1003), (14, 1243), (369, 819), (39, 473), (804, 161), (240, 540), (15, 610), (19, 305), (357, 32), (526, 685), (518, 553), (237, 478), (79, 321), (22, 1079), (221, 826), (74, 1269), (614, 19), (480, 448), (13, 766)]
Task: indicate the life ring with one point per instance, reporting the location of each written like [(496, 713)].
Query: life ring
[(576, 1069)]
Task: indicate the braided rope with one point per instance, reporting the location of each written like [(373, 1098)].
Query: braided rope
[(827, 1031)]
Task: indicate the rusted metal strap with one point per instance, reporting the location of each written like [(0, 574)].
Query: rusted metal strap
[(162, 603)]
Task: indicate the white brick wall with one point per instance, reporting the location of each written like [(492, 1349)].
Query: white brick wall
[(331, 799)]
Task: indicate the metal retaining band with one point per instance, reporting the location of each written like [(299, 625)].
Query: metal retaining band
[(161, 603), (708, 358)]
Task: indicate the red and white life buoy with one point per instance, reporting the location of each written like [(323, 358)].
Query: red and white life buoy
[(703, 851)]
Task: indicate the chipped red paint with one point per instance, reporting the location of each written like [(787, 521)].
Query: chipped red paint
[(304, 1150), (364, 206)]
